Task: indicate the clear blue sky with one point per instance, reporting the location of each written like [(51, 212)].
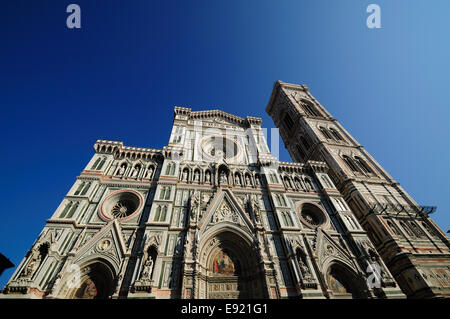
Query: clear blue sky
[(119, 76)]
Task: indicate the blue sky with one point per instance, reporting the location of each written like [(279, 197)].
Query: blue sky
[(119, 76)]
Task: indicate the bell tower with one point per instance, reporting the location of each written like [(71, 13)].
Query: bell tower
[(413, 247)]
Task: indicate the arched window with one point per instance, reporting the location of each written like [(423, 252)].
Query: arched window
[(65, 210), (288, 122), (287, 182), (304, 142), (277, 200), (300, 152), (407, 229), (309, 108), (72, 210), (351, 164), (100, 165), (309, 184), (95, 164), (275, 178), (325, 181), (416, 229), (325, 133), (157, 213), (86, 188), (363, 165), (285, 221), (336, 134), (282, 200), (79, 188), (168, 168), (429, 229), (163, 215), (168, 191), (289, 219)]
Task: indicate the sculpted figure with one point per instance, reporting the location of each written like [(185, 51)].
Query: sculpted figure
[(147, 269)]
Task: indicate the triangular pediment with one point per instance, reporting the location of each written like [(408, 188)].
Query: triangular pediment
[(225, 209), (107, 242), (328, 248)]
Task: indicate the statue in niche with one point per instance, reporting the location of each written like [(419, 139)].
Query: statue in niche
[(32, 266), (309, 186), (185, 175), (258, 180), (223, 177), (147, 269), (196, 176), (238, 179), (247, 181), (254, 203), (374, 259), (135, 171), (195, 204), (121, 170), (208, 177), (304, 269), (149, 172)]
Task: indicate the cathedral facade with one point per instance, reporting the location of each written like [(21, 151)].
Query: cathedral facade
[(215, 215)]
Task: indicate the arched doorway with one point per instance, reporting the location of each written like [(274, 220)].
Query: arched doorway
[(96, 282), (230, 269), (344, 283)]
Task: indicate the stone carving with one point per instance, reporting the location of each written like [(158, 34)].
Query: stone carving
[(32, 266), (256, 210), (225, 213), (149, 172), (238, 179), (147, 269), (304, 269), (195, 204), (223, 178), (135, 171), (196, 176), (258, 180), (208, 177), (185, 175), (121, 170), (247, 181)]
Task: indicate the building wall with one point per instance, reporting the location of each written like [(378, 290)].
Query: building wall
[(414, 248), (146, 223)]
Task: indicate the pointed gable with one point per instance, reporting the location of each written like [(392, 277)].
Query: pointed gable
[(225, 208), (107, 243)]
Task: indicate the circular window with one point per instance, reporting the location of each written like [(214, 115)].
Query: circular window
[(120, 205), (219, 147), (311, 215)]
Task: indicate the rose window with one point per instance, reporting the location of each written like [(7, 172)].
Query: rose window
[(121, 205), (219, 147), (120, 209), (311, 215)]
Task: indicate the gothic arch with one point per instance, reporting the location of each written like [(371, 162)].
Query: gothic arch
[(97, 280), (229, 266), (343, 282)]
